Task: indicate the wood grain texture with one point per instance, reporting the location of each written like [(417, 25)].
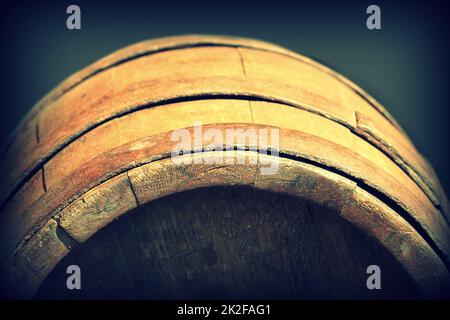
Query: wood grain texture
[(199, 244), (99, 146), (302, 180), (220, 70), (304, 134)]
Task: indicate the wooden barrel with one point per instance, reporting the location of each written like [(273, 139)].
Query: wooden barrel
[(291, 181)]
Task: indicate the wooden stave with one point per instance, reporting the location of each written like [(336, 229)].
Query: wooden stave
[(424, 176), (39, 172), (30, 241), (34, 212), (421, 262)]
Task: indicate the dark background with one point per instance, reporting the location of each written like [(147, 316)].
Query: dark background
[(404, 66)]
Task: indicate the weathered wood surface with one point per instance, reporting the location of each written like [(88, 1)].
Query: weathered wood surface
[(159, 178), (303, 134), (199, 244), (154, 46), (99, 146), (205, 71)]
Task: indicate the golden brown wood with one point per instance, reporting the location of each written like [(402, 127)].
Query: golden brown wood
[(150, 79), (99, 145)]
